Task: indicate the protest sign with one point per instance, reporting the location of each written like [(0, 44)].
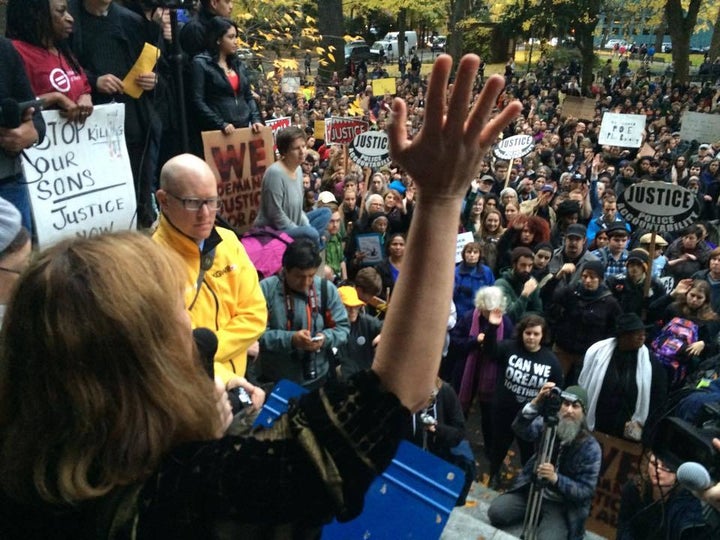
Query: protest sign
[(319, 130), (514, 147), (290, 85), (702, 127), (658, 206), (343, 130), (380, 87), (463, 239), (370, 245), (277, 125), (624, 130), (79, 178), (619, 462), (239, 161), (370, 149), (579, 107)]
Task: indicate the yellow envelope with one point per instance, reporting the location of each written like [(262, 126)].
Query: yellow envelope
[(144, 64)]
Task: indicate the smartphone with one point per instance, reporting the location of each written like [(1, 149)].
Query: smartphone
[(317, 338)]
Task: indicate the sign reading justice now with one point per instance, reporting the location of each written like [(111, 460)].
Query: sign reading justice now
[(79, 178)]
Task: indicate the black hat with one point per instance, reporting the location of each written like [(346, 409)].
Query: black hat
[(617, 228), (576, 229), (543, 246), (597, 267), (628, 322)]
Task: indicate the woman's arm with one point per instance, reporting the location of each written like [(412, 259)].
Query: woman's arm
[(407, 360)]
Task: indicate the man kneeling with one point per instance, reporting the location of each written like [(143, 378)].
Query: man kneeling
[(570, 486)]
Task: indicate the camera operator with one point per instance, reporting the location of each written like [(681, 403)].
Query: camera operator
[(30, 129), (569, 487)]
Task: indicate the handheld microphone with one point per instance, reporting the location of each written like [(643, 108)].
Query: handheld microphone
[(206, 343), (11, 111), (694, 476)]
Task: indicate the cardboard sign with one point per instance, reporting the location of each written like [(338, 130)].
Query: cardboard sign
[(319, 132), (619, 461), (658, 206), (463, 239), (702, 127), (380, 87), (624, 130), (579, 107), (79, 178), (514, 147), (343, 130), (370, 149), (239, 161)]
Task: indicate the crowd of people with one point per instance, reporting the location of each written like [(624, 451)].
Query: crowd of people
[(555, 289)]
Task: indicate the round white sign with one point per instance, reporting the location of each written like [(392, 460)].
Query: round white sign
[(514, 147), (658, 206), (370, 149)]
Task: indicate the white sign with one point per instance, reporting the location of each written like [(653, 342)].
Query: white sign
[(290, 85), (463, 239), (371, 149), (624, 130), (370, 245), (701, 127), (79, 178), (514, 147)]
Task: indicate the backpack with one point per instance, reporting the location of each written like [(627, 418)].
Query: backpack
[(670, 345), (265, 247)]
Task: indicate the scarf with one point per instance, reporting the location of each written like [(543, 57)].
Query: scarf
[(480, 373), (597, 359)]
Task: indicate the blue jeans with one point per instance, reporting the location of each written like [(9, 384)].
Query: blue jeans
[(319, 219), (14, 190)]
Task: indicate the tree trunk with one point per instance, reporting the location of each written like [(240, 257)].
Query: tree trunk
[(332, 28), (714, 51), (681, 28), (458, 9), (402, 21), (584, 43)]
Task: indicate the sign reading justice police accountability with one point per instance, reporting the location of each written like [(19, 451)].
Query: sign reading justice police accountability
[(79, 178), (371, 149), (658, 206), (514, 147)]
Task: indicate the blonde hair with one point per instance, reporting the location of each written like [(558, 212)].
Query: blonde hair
[(98, 374)]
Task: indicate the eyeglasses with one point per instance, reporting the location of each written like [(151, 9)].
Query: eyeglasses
[(193, 204), (10, 270)]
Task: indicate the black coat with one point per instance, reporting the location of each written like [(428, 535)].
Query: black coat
[(214, 100)]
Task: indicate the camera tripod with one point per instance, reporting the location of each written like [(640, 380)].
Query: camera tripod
[(538, 485)]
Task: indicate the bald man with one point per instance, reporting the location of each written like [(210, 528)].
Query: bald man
[(223, 293)]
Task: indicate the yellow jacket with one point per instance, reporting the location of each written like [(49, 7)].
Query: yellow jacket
[(229, 302)]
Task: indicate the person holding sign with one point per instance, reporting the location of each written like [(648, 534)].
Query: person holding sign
[(39, 30), (221, 93), (108, 39)]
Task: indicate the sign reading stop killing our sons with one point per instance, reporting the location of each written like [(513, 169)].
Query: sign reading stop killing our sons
[(624, 130), (79, 178)]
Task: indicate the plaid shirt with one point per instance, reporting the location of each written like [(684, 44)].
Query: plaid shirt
[(612, 266)]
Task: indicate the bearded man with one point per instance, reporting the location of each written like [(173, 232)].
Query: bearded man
[(569, 485)]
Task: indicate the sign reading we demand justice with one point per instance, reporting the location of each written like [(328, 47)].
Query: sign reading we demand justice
[(239, 161), (79, 178)]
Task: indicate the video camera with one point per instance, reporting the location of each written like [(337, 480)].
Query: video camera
[(170, 4), (12, 112), (677, 441), (550, 405)]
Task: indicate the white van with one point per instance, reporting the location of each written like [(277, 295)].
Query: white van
[(389, 44)]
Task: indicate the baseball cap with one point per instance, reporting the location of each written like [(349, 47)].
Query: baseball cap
[(349, 297), (326, 197), (576, 229)]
